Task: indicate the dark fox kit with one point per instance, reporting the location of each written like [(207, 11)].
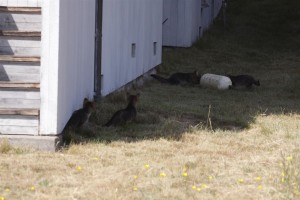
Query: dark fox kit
[(243, 81), (180, 78), (126, 114), (78, 118)]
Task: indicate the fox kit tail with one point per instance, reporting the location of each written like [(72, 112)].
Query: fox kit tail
[(160, 79)]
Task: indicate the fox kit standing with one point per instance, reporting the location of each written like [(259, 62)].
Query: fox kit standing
[(81, 116), (243, 81), (126, 114)]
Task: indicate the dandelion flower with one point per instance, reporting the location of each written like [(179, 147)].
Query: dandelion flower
[(204, 186), (135, 188), (282, 174), (185, 174), (241, 180), (7, 190), (2, 198), (289, 158), (259, 187), (95, 158), (210, 178), (146, 166), (280, 165), (79, 168), (32, 188), (282, 180), (258, 178), (163, 175), (193, 187), (198, 189), (135, 176)]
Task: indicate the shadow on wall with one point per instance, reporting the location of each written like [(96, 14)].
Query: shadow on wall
[(7, 23)]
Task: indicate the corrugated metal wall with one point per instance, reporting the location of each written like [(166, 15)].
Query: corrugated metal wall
[(183, 20), (130, 31), (67, 60)]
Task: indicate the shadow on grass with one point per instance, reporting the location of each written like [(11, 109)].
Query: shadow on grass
[(248, 46)]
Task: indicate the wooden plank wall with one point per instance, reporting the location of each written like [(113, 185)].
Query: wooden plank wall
[(23, 3)]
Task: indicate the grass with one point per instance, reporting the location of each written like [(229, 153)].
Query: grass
[(249, 151)]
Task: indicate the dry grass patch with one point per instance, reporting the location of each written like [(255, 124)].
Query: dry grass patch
[(189, 142)]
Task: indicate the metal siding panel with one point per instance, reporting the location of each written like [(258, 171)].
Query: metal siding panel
[(124, 23)]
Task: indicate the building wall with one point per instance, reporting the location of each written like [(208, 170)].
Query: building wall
[(183, 20), (126, 23), (67, 65)]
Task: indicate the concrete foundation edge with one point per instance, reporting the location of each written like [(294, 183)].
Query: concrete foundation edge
[(42, 143)]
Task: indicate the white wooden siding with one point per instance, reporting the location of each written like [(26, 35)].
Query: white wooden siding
[(21, 3), (183, 22), (125, 23), (24, 22), (67, 62), (20, 46), (24, 73)]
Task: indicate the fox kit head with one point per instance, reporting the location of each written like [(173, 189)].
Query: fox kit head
[(196, 77), (90, 105), (133, 98)]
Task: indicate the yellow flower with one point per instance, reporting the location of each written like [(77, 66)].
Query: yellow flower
[(79, 168), (204, 186), (289, 158), (163, 175), (258, 178), (95, 158), (259, 187), (241, 180), (282, 180), (135, 176), (210, 178), (198, 189), (282, 174), (193, 187), (2, 198), (185, 174), (7, 190), (281, 165), (146, 166), (32, 188), (135, 188)]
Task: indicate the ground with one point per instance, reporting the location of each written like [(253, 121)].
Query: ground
[(189, 142)]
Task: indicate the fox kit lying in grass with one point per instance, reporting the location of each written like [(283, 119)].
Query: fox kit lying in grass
[(126, 114), (180, 78), (243, 81), (78, 118)]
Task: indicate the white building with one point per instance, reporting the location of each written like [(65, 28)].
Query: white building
[(185, 20), (55, 53)]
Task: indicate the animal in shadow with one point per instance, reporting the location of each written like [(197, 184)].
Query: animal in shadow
[(124, 115), (243, 81), (179, 78), (78, 119)]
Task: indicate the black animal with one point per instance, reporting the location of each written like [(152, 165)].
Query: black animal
[(192, 78), (78, 118), (243, 81), (126, 114)]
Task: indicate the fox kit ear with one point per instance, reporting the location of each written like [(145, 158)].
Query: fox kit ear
[(85, 100)]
